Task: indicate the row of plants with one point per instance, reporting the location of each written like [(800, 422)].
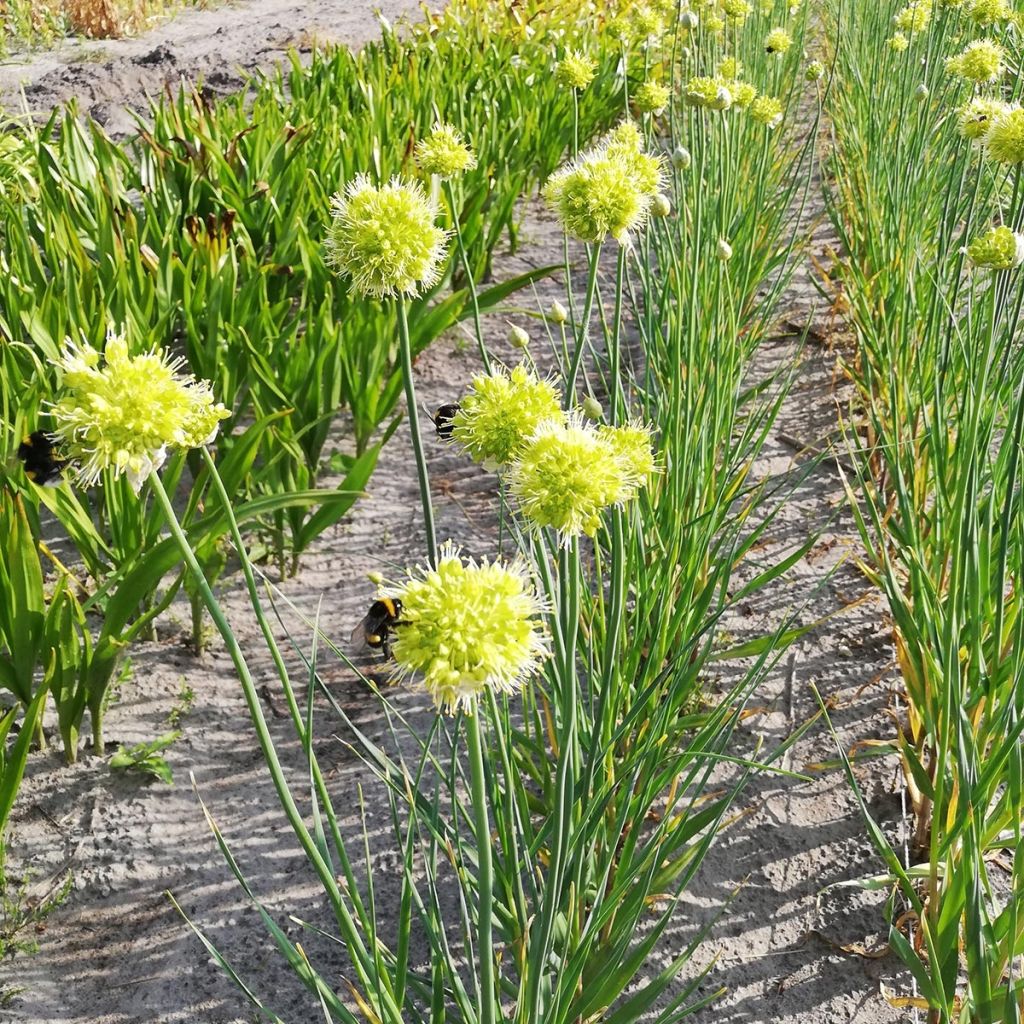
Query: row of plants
[(925, 193), (551, 813), (205, 236)]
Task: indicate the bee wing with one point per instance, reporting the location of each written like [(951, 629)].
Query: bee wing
[(358, 637)]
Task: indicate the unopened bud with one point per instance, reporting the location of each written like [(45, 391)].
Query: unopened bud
[(558, 314), (375, 578), (681, 158), (661, 207), (921, 92), (688, 19), (592, 408), (724, 250), (518, 337)]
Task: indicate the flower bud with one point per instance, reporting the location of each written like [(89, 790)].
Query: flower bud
[(557, 313), (376, 578), (724, 250), (921, 92), (681, 158), (518, 337), (592, 408), (661, 206), (688, 19)]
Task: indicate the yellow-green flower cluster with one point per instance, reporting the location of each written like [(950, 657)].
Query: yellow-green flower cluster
[(652, 97), (607, 190), (767, 110), (469, 628), (122, 413), (814, 71), (501, 411), (711, 93), (777, 41), (385, 237), (743, 94), (997, 249), (979, 61), (914, 17), (975, 116), (729, 68), (736, 11), (897, 43), (576, 70), (988, 12), (443, 152), (1004, 140), (570, 472)]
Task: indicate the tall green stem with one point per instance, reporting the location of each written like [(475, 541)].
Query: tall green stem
[(362, 962), (474, 299), (485, 879), (414, 429), (583, 327)]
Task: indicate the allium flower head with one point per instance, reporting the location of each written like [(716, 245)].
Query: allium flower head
[(123, 412), (624, 142), (988, 12), (975, 116), (1004, 140), (998, 249), (743, 94), (502, 411), (729, 68), (914, 17), (980, 61), (468, 628), (897, 43), (645, 22), (736, 11), (767, 110), (576, 70), (385, 237), (443, 152), (567, 474), (603, 193), (652, 97), (777, 41), (814, 71), (633, 448), (712, 93)]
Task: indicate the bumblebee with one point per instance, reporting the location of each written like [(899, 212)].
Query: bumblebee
[(38, 454), (443, 419), (378, 623)]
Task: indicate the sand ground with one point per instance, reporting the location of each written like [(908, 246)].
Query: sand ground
[(118, 953)]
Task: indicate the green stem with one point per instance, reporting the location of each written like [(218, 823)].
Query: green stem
[(470, 281), (485, 879), (583, 327), (414, 430), (362, 961)]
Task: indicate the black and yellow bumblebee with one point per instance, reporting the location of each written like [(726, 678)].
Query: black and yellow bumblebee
[(43, 465), (378, 624), (443, 419)]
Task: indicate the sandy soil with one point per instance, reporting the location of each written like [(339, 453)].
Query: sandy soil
[(118, 953), (211, 45)]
